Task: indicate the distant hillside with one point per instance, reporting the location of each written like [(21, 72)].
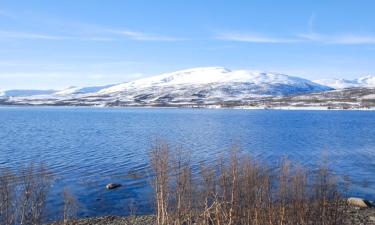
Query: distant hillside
[(368, 81), (24, 93), (212, 86)]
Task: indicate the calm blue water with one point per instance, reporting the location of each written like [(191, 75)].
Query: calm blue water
[(87, 148)]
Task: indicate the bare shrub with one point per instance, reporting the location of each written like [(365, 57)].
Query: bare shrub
[(23, 195), (132, 207), (160, 163), (182, 188), (71, 206), (326, 197), (35, 182), (239, 190), (7, 196)]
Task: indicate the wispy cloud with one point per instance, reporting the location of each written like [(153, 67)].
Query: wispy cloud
[(112, 35), (74, 30), (344, 39), (106, 35), (310, 37), (355, 39), (141, 36), (26, 35), (8, 34), (311, 22), (254, 38), (71, 66)]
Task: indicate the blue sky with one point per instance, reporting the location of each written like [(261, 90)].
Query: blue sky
[(54, 44)]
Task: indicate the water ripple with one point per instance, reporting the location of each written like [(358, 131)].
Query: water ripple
[(87, 148)]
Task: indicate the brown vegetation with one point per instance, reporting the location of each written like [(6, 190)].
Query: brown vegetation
[(71, 206), (234, 190), (23, 195), (239, 190)]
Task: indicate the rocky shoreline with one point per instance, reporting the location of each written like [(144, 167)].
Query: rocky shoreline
[(112, 220), (356, 216), (361, 216)]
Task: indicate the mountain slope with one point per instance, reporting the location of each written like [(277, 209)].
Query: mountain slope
[(368, 81), (206, 85), (80, 90), (197, 86), (216, 75), (348, 98), (25, 93)]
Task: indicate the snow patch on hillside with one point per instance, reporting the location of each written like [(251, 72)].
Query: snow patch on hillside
[(24, 93), (81, 90), (368, 81)]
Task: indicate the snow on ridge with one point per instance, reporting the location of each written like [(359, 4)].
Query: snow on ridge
[(202, 81), (367, 81), (67, 91), (193, 76), (337, 83), (207, 75), (24, 92), (73, 90), (81, 90)]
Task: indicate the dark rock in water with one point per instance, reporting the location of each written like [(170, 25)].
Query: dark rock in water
[(359, 202), (112, 186)]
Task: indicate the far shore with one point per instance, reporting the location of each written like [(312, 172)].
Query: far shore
[(292, 108)]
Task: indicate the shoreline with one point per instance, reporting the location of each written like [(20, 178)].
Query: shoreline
[(110, 220), (213, 107), (356, 216)]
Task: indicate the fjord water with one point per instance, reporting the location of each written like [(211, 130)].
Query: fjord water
[(86, 148)]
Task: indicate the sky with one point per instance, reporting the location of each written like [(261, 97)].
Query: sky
[(55, 44)]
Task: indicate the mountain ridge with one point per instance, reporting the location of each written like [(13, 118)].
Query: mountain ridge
[(192, 76), (195, 86), (207, 75), (366, 81)]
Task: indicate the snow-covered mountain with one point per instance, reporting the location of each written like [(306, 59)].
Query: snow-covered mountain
[(368, 81), (70, 91), (80, 90), (218, 75), (25, 93), (205, 85)]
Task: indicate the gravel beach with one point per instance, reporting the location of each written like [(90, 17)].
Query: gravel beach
[(356, 216), (113, 220)]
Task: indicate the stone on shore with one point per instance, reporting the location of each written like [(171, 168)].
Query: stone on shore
[(359, 202)]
